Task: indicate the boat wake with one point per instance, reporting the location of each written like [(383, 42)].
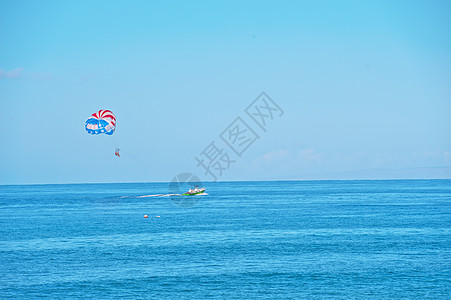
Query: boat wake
[(167, 195), (159, 195)]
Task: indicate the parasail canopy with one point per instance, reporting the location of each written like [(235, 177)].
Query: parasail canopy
[(103, 121)]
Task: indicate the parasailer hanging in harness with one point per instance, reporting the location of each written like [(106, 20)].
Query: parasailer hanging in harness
[(103, 121)]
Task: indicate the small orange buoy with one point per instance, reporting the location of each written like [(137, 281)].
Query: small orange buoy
[(158, 216), (146, 216)]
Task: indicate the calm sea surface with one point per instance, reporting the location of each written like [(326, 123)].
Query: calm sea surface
[(244, 240)]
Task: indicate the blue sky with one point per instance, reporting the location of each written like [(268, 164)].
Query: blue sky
[(365, 87)]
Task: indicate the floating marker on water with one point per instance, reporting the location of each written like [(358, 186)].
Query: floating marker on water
[(146, 216)]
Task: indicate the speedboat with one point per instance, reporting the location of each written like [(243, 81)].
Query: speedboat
[(195, 191)]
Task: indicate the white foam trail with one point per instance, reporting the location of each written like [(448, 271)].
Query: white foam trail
[(167, 195), (159, 195)]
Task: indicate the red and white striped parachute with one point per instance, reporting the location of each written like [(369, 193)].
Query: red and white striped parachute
[(103, 121)]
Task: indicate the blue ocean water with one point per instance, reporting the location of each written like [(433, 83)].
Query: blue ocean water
[(254, 240)]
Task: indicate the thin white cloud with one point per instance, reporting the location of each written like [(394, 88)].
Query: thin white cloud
[(14, 73), (28, 75), (310, 154), (275, 155)]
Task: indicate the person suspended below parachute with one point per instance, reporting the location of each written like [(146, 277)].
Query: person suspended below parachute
[(102, 122)]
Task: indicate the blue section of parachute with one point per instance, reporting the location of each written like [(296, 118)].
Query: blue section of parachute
[(101, 124)]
